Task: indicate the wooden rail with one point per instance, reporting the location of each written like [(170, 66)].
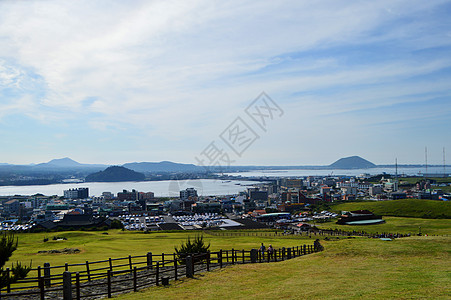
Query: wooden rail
[(116, 275)]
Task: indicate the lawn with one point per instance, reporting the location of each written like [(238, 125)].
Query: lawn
[(401, 208), (360, 268), (398, 225), (97, 246)]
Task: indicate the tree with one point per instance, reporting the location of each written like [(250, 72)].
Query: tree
[(8, 244), (192, 247)]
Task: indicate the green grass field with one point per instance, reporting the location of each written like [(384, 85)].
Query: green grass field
[(96, 246), (360, 268), (414, 208), (398, 225), (357, 268)]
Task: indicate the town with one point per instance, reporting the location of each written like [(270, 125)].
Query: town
[(287, 203)]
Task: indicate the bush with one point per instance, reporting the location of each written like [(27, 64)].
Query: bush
[(192, 247), (8, 244)]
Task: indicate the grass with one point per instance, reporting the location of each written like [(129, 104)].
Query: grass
[(413, 180), (96, 246), (414, 208), (398, 225), (407, 268), (358, 268)]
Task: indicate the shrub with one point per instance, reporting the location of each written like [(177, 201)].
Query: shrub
[(192, 247), (8, 244)]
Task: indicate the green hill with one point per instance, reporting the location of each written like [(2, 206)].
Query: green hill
[(415, 208), (115, 174), (352, 162)]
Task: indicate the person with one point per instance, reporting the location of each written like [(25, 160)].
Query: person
[(262, 250), (270, 251)]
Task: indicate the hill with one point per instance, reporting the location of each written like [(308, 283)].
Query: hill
[(352, 162), (115, 174), (414, 208), (164, 166)]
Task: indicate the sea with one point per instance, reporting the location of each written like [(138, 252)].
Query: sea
[(407, 171), (165, 188)]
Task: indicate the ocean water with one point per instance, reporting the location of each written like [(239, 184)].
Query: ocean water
[(166, 188)]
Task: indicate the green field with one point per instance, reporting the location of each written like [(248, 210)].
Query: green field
[(398, 225), (414, 208), (413, 180), (407, 268), (96, 246), (360, 268)]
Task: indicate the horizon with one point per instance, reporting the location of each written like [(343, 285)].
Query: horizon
[(113, 82), (311, 165)]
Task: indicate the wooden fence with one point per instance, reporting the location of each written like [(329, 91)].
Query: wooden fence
[(118, 275)]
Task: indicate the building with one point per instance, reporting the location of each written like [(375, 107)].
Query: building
[(188, 194), (126, 195), (11, 207), (80, 193), (258, 195)]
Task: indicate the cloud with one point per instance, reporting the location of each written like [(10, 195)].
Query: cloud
[(166, 70)]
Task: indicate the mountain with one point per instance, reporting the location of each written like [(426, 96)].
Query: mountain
[(115, 174), (67, 164), (164, 166), (352, 162), (62, 163)]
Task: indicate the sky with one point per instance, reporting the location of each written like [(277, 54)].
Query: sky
[(130, 81)]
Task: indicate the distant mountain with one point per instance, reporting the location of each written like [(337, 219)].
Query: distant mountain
[(115, 174), (352, 162), (164, 166), (62, 162), (66, 163)]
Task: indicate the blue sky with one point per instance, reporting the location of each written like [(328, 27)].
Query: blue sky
[(121, 81)]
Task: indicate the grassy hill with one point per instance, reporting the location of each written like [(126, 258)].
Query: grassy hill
[(347, 269), (386, 270), (413, 208)]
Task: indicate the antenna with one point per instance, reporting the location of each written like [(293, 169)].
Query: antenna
[(396, 174), (396, 168), (426, 160), (444, 164)]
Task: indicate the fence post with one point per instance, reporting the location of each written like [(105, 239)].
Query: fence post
[(111, 264), (208, 261), (47, 274), (220, 258), (41, 287), (149, 260), (8, 275), (130, 261), (66, 267), (157, 274), (87, 271), (162, 259), (233, 256), (288, 253), (109, 283), (283, 253), (305, 249), (175, 268), (275, 254), (135, 279), (254, 254), (67, 286), (189, 266), (77, 285), (243, 256)]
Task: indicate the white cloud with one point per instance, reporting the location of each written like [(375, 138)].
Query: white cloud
[(169, 68)]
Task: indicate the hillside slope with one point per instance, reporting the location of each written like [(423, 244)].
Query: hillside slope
[(430, 209)]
